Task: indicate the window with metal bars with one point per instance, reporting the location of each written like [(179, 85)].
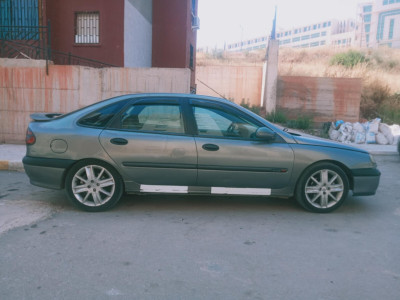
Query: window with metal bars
[(87, 28)]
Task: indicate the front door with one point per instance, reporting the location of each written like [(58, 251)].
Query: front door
[(229, 155)]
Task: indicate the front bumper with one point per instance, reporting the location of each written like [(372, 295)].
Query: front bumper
[(46, 172), (365, 182)]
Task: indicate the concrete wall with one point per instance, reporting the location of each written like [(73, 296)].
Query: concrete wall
[(137, 31), (324, 99), (25, 90), (235, 83)]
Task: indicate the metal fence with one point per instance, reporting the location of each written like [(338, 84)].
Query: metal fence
[(33, 42), (23, 35), (25, 41)]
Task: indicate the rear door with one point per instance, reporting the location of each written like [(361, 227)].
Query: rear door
[(148, 142)]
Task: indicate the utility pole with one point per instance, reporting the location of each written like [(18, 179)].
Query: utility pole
[(270, 73)]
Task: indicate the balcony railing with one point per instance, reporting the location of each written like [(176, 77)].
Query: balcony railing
[(33, 42)]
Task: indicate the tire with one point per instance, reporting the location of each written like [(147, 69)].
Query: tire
[(322, 188), (398, 147), (93, 185)]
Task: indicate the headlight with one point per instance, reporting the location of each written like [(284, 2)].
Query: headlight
[(372, 158)]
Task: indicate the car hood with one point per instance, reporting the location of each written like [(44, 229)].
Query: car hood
[(308, 140)]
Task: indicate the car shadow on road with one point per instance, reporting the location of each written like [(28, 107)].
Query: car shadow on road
[(205, 203)]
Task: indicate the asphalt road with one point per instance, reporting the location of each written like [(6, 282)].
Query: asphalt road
[(158, 247)]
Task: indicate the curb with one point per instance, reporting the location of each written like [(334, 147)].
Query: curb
[(6, 165)]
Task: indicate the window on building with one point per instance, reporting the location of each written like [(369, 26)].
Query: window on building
[(323, 33), (194, 13), (305, 37), (296, 39), (314, 27), (367, 8), (315, 35), (315, 44), (87, 28), (386, 2), (367, 28), (191, 61), (391, 27), (367, 18)]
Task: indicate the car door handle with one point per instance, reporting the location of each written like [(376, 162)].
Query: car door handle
[(119, 141), (210, 147)]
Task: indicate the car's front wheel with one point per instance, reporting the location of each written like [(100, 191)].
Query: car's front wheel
[(322, 188), (93, 185)]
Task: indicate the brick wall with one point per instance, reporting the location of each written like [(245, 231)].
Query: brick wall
[(323, 99)]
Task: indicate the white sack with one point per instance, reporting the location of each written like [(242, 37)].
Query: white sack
[(385, 130), (381, 139), (374, 125)]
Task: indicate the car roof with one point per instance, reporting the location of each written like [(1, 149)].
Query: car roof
[(178, 95)]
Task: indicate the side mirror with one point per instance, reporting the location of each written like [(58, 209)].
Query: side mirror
[(265, 134)]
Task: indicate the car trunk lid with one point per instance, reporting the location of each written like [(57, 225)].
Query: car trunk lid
[(44, 117)]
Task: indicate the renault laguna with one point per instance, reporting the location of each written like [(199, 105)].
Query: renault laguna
[(188, 144)]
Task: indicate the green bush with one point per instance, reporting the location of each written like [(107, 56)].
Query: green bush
[(389, 110), (276, 117), (348, 59), (302, 122), (372, 98)]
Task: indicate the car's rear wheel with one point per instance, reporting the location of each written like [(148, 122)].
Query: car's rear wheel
[(93, 185), (322, 188)]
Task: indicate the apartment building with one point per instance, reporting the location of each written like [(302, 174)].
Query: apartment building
[(377, 24)]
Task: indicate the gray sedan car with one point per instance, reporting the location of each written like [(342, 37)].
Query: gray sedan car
[(188, 144)]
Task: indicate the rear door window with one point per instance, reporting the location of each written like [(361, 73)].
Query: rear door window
[(159, 118)]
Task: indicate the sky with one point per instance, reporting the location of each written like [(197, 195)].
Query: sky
[(227, 21)]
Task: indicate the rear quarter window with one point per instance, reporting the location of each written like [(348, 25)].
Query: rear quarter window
[(102, 116)]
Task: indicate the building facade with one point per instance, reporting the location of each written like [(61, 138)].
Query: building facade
[(377, 24), (331, 32), (122, 33)]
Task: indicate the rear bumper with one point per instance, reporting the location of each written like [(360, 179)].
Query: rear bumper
[(46, 172), (366, 182)]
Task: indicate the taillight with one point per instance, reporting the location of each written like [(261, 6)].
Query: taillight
[(30, 138)]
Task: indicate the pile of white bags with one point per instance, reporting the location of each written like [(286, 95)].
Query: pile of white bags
[(373, 132)]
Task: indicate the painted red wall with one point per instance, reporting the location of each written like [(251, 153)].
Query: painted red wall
[(61, 14), (173, 35)]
